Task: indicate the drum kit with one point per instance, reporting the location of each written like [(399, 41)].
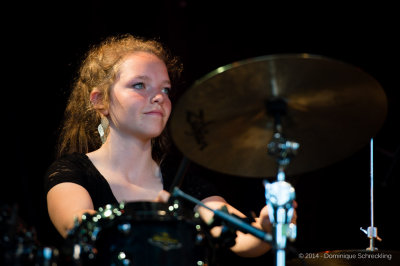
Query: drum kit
[(264, 117)]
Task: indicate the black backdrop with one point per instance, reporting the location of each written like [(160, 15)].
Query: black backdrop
[(45, 41)]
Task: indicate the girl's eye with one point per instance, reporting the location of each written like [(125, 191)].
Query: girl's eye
[(166, 90), (138, 86)]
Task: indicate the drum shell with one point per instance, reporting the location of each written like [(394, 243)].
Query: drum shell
[(149, 234)]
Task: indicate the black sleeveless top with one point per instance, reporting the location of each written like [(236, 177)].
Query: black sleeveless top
[(77, 168)]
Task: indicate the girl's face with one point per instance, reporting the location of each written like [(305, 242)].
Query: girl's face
[(139, 102)]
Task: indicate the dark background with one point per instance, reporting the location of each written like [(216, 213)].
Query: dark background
[(45, 41)]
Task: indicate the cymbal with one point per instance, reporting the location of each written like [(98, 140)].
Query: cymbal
[(333, 109)]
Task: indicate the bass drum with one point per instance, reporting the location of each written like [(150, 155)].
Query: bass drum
[(140, 233)]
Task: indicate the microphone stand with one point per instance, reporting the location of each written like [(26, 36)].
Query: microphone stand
[(229, 219)]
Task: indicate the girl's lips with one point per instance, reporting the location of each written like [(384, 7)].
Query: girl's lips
[(160, 113)]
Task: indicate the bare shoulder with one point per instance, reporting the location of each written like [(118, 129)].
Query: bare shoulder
[(69, 193)]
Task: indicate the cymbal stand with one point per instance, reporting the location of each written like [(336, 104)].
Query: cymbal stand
[(372, 231), (280, 194)]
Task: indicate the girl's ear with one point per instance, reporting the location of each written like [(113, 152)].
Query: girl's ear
[(96, 98)]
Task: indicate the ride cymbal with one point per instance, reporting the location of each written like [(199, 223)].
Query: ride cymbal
[(332, 110)]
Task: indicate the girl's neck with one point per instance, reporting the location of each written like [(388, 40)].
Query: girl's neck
[(130, 159)]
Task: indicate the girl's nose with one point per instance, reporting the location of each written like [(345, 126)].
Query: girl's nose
[(158, 97)]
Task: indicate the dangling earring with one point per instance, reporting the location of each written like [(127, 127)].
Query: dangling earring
[(102, 128)]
